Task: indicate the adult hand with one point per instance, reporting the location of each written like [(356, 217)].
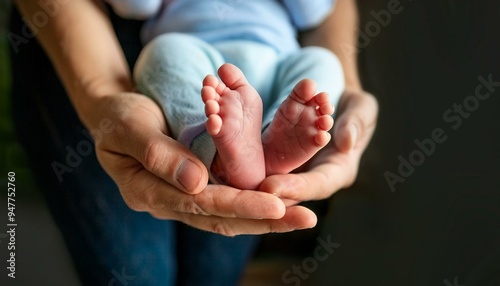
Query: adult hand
[(335, 166), (156, 174)]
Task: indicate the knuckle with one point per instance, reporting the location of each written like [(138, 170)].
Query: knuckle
[(155, 202), (222, 228), (153, 159), (130, 197), (184, 204), (190, 206), (138, 199), (109, 140), (134, 204), (120, 130), (271, 228)]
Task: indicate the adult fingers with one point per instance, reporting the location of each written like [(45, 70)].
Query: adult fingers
[(296, 218), (141, 132), (356, 121), (316, 184), (169, 160), (144, 191), (336, 166)]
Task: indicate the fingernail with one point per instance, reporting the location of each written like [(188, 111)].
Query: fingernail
[(188, 175)]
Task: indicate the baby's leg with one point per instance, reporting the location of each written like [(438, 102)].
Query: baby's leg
[(234, 111), (299, 121), (170, 70)]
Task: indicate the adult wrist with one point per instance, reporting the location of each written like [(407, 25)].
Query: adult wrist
[(89, 97)]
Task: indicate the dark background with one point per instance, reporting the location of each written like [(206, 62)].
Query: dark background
[(441, 226)]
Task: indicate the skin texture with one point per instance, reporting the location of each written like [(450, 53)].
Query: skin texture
[(234, 110), (298, 130), (154, 173)]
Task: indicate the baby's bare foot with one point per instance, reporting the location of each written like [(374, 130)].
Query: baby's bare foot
[(234, 111), (299, 129)]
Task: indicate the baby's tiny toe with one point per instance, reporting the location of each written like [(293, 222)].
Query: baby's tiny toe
[(213, 124), (212, 107), (321, 98), (324, 122), (232, 76), (210, 80), (304, 91), (208, 93), (326, 109), (322, 138)]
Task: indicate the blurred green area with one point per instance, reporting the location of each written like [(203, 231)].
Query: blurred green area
[(12, 156)]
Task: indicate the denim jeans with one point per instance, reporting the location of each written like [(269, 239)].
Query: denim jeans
[(109, 243)]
